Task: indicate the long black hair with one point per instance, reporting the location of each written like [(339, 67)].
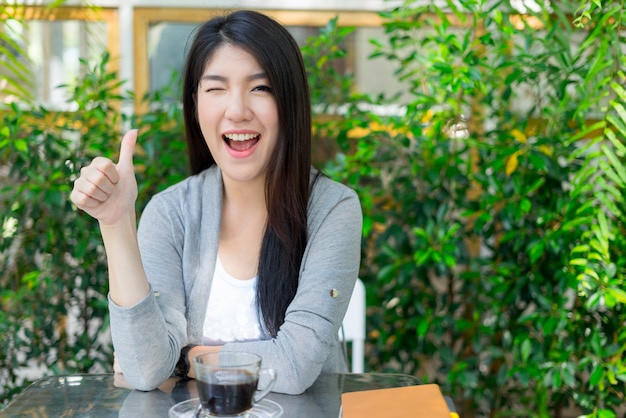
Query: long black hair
[(287, 179)]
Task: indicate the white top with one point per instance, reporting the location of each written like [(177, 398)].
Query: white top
[(231, 314)]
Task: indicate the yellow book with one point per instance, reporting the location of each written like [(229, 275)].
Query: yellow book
[(402, 402)]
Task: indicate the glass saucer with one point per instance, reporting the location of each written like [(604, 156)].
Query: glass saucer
[(263, 409)]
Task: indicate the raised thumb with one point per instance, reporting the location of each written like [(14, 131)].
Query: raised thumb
[(127, 149)]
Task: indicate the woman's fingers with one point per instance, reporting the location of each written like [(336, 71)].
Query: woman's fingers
[(116, 365), (102, 169), (82, 200), (96, 183)]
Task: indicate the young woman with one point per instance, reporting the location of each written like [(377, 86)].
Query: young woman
[(255, 251)]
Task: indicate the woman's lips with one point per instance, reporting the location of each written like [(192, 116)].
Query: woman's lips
[(241, 142)]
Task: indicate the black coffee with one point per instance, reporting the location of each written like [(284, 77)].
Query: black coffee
[(232, 395)]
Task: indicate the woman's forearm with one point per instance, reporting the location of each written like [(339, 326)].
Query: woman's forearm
[(127, 279)]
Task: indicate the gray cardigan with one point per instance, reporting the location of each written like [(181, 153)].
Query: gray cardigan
[(178, 238)]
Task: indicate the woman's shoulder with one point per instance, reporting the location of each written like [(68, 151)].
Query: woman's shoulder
[(335, 204), (191, 191), (328, 193), (325, 187), (195, 181), (183, 208)]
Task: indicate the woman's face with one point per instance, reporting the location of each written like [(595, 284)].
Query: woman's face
[(238, 115)]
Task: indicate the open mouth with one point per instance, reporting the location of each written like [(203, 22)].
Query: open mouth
[(241, 142)]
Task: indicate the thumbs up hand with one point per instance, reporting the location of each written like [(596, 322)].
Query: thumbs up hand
[(105, 190)]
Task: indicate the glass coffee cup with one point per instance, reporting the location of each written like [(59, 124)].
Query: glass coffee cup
[(228, 383)]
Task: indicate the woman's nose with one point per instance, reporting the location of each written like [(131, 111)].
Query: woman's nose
[(238, 108)]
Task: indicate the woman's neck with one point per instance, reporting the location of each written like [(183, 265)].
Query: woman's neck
[(248, 196), (244, 217)]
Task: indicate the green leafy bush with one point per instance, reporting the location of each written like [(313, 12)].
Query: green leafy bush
[(54, 281), (493, 229)]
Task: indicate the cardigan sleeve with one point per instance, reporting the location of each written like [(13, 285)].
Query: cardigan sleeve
[(148, 336)]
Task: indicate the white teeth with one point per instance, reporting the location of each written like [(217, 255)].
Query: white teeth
[(240, 137)]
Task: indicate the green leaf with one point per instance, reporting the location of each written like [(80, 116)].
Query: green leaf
[(580, 249), (596, 376), (587, 130), (594, 300), (618, 294), (618, 123), (21, 145), (536, 250), (386, 272), (525, 206), (606, 413), (526, 350), (568, 373), (557, 380), (422, 328)]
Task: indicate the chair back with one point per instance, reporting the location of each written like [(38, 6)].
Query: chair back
[(353, 327)]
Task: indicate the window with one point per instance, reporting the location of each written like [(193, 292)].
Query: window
[(162, 38), (53, 41)]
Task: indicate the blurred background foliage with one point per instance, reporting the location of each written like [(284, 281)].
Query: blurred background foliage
[(492, 190)]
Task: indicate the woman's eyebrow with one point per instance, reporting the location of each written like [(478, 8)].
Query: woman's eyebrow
[(215, 77), (212, 77), (258, 76)]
